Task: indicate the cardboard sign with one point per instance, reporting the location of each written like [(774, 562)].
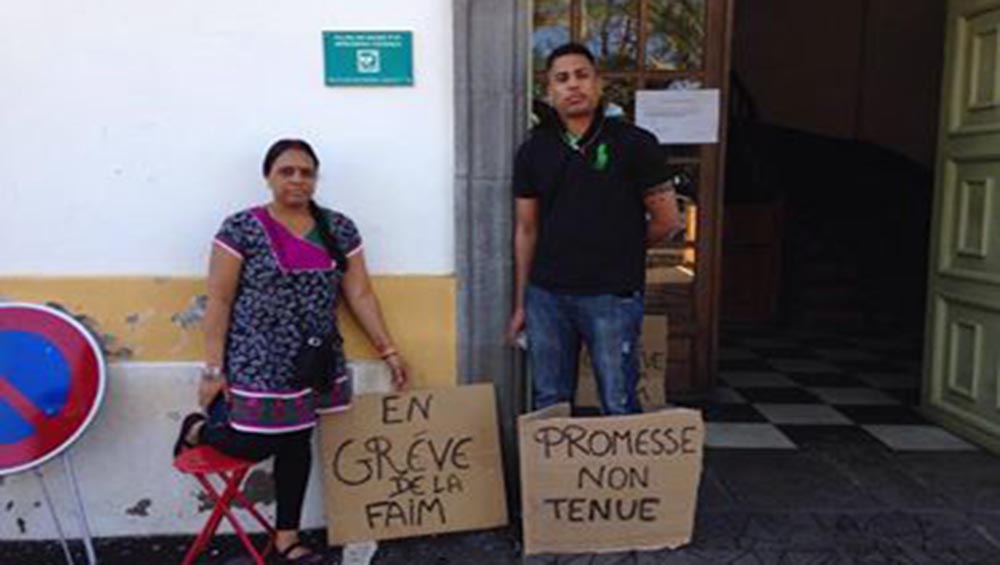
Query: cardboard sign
[(652, 368), (410, 464), (609, 484)]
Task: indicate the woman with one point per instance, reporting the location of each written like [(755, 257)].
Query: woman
[(274, 278)]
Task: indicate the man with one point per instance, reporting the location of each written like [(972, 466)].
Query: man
[(583, 188)]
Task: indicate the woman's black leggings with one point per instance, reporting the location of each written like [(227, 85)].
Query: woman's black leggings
[(292, 460)]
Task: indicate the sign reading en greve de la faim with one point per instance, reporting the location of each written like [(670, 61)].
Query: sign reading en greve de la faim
[(368, 58)]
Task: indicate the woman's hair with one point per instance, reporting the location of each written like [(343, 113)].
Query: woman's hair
[(325, 233), (282, 145)]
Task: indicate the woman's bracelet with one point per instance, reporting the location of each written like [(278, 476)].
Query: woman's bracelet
[(211, 372), (387, 352)]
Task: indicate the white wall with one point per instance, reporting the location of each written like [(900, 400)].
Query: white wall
[(129, 129)]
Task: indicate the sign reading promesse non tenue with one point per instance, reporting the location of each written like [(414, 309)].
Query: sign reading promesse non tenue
[(609, 484)]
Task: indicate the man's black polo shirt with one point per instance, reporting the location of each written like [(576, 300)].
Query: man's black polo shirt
[(592, 229)]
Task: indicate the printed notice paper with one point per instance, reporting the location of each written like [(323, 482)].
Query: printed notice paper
[(679, 116)]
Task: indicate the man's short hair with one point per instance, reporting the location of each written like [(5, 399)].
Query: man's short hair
[(569, 49)]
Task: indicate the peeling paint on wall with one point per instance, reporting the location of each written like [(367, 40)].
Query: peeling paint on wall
[(259, 487), (191, 317), (108, 342), (141, 508), (22, 526), (10, 506), (136, 320), (205, 502)]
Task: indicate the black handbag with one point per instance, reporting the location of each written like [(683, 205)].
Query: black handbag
[(316, 361)]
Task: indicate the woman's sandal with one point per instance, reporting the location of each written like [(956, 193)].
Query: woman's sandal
[(309, 557), (189, 422)]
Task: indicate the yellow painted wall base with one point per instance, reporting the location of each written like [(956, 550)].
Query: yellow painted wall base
[(159, 319)]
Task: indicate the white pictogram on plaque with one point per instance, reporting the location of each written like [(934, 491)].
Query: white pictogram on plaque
[(369, 61)]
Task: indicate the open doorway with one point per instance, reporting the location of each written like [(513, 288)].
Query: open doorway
[(833, 131), (827, 219)]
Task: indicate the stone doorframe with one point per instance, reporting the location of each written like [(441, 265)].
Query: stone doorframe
[(491, 49)]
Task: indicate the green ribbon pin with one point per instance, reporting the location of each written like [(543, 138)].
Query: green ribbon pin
[(602, 157)]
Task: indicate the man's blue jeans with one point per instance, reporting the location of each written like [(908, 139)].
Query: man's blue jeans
[(609, 324)]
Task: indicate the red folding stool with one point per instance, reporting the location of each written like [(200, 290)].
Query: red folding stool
[(204, 462)]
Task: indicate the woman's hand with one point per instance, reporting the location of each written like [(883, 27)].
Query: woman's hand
[(400, 371), (208, 389)]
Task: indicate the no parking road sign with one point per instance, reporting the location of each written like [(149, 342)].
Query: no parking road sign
[(52, 380)]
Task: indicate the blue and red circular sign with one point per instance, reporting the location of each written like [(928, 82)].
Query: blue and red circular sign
[(52, 379)]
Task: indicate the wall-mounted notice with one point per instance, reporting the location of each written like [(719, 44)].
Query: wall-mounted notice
[(368, 58), (679, 116), (652, 368), (416, 463), (609, 484)]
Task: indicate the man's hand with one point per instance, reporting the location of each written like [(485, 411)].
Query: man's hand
[(515, 326), (664, 216), (526, 214)]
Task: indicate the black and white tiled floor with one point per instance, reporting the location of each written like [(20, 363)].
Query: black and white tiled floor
[(777, 391)]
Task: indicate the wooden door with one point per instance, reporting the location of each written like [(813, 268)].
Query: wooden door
[(962, 372)]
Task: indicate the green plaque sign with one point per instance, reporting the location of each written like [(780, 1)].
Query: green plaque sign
[(368, 58)]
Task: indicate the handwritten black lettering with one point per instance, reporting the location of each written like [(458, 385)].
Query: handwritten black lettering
[(454, 484), (377, 458), (574, 436), (576, 509), (339, 473), (573, 441), (582, 509), (453, 451), (687, 441), (422, 485), (647, 508), (406, 485), (557, 504), (414, 461), (623, 438), (381, 448), (642, 442), (389, 408), (416, 404), (674, 445), (615, 477), (411, 513), (600, 444), (422, 405), (549, 437)]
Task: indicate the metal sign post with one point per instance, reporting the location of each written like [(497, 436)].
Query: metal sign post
[(52, 382)]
